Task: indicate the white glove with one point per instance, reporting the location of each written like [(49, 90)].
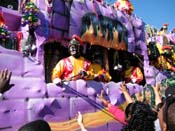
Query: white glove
[(134, 80), (57, 81)]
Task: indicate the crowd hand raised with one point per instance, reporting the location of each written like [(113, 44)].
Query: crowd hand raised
[(124, 90), (157, 88), (102, 99), (79, 118), (5, 76), (80, 121), (123, 87), (101, 96)]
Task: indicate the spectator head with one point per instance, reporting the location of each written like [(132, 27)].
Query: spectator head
[(140, 116), (170, 91), (128, 111), (169, 114), (38, 125)]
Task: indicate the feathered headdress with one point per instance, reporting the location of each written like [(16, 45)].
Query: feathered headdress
[(76, 40), (4, 33), (29, 15)]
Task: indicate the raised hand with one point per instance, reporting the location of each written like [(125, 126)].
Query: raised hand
[(80, 121), (157, 87), (123, 87), (102, 99), (157, 93), (79, 118), (5, 76), (124, 90)]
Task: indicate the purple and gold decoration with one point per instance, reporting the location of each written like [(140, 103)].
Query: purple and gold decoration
[(29, 16), (4, 35)]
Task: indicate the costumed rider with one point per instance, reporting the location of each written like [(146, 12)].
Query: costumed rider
[(163, 30), (132, 74), (98, 68), (73, 67), (166, 60)]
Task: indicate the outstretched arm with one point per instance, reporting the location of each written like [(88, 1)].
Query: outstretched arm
[(159, 105), (115, 110), (125, 93), (158, 99), (103, 100), (80, 122)]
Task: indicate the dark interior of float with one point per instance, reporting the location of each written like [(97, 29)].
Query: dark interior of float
[(11, 4), (53, 52)]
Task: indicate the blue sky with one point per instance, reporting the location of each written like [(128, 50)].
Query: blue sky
[(156, 12)]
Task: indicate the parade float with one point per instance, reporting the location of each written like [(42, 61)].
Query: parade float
[(36, 37)]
